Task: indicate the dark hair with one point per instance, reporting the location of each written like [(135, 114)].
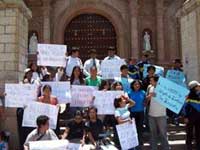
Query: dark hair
[(46, 77), (25, 76), (193, 94), (93, 67), (92, 108), (92, 51), (136, 81), (3, 136), (30, 66), (177, 61), (151, 68), (42, 120), (111, 48), (117, 101), (103, 83), (78, 113), (155, 78), (46, 87), (123, 67), (80, 76), (146, 55), (113, 86)]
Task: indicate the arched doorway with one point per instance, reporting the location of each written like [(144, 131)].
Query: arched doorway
[(90, 31)]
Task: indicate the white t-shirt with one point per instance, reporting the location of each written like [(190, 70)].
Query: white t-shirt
[(115, 57), (156, 109), (71, 63), (89, 63)]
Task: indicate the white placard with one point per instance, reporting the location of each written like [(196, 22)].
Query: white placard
[(19, 95), (34, 110), (61, 90), (74, 146), (127, 134), (104, 101), (82, 96), (110, 69), (51, 55), (49, 145)]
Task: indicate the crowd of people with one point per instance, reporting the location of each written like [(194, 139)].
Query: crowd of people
[(137, 102)]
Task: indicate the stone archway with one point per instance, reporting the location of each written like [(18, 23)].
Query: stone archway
[(78, 8)]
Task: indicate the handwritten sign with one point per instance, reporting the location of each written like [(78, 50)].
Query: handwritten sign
[(19, 95), (74, 146), (104, 101), (127, 134), (159, 70), (33, 110), (170, 94), (176, 76), (61, 90), (82, 96), (111, 68), (49, 145), (51, 55)]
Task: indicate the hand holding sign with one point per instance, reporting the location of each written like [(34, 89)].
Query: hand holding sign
[(170, 94)]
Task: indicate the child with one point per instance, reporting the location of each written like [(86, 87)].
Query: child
[(3, 143)]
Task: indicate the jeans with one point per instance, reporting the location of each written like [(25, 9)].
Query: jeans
[(194, 122), (139, 119), (158, 125)]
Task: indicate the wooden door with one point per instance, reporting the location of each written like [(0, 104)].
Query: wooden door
[(90, 31)]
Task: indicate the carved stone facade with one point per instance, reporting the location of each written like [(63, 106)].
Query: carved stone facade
[(129, 18), (14, 17), (189, 17)]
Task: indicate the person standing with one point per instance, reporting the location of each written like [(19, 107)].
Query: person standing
[(93, 61), (157, 118), (138, 95), (72, 61), (141, 64), (111, 54), (192, 115), (133, 69)]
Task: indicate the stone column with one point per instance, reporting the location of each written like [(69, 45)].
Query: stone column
[(190, 39), (160, 31), (46, 15), (14, 17), (133, 8)]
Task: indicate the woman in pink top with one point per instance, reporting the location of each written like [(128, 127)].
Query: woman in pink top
[(47, 97)]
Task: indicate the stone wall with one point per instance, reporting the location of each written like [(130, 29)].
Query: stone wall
[(13, 55), (190, 35)]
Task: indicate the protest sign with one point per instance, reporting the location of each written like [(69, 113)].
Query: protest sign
[(170, 94), (74, 146), (19, 95), (176, 76), (159, 70), (111, 68), (104, 101), (51, 55), (127, 134), (49, 145), (34, 110), (82, 96), (61, 90)]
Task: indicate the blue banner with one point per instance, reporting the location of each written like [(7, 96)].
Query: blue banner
[(170, 94)]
